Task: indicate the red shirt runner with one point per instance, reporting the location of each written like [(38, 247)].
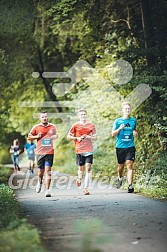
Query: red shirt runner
[(45, 143), (77, 130)]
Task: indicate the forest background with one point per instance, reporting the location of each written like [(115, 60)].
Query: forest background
[(38, 36)]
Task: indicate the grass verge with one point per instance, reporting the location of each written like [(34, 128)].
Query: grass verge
[(16, 234)]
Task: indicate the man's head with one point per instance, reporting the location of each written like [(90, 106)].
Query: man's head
[(126, 108), (44, 117), (82, 113)]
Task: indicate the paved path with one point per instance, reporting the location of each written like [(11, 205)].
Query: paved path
[(130, 222)]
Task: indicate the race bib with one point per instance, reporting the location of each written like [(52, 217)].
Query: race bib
[(46, 142), (127, 136)]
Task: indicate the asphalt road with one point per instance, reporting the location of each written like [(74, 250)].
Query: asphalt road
[(106, 220)]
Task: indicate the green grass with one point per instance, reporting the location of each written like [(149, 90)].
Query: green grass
[(16, 234)]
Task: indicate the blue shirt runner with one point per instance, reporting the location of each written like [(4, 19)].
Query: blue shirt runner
[(125, 138)]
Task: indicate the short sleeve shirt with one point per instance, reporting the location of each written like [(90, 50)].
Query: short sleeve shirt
[(78, 129), (125, 138), (45, 143), (30, 147), (15, 150)]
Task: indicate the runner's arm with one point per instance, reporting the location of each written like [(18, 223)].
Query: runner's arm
[(11, 150), (116, 132), (35, 137), (71, 137), (135, 133), (91, 137), (55, 136)]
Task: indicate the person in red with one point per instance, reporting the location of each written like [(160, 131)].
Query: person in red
[(44, 133), (83, 133)]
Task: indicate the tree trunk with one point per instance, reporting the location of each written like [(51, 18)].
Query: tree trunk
[(161, 10), (148, 31), (47, 85)]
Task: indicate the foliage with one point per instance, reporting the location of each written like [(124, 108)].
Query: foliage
[(15, 233), (7, 202), (4, 174), (17, 238), (153, 180), (51, 36)]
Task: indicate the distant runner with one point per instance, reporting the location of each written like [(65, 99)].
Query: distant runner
[(15, 152), (29, 149)]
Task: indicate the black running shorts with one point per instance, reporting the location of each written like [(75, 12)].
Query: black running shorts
[(82, 160), (124, 154), (44, 160)]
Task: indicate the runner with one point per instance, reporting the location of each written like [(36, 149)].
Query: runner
[(15, 152), (29, 149), (44, 133), (124, 129), (83, 133)]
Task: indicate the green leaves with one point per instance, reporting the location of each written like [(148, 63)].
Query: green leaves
[(52, 36)]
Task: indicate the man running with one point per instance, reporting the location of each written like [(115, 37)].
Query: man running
[(44, 133), (83, 133), (124, 129)]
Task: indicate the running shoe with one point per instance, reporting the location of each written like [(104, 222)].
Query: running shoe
[(119, 182), (78, 182), (38, 187), (130, 189), (85, 191), (47, 193)]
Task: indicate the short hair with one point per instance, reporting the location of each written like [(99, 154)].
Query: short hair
[(126, 103), (82, 110), (43, 112)]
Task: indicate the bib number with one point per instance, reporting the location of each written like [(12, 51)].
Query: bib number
[(127, 136), (46, 142)]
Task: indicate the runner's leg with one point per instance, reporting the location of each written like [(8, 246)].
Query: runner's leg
[(129, 165), (47, 177), (88, 175), (80, 171), (120, 170), (40, 175)]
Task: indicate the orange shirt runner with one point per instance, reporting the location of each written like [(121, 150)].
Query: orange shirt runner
[(77, 130), (45, 143)]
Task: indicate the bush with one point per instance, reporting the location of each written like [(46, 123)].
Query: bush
[(8, 205), (4, 174), (16, 234), (23, 238), (153, 178), (5, 155)]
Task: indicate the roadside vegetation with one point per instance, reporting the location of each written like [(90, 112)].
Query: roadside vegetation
[(51, 36), (16, 234), (152, 180)]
